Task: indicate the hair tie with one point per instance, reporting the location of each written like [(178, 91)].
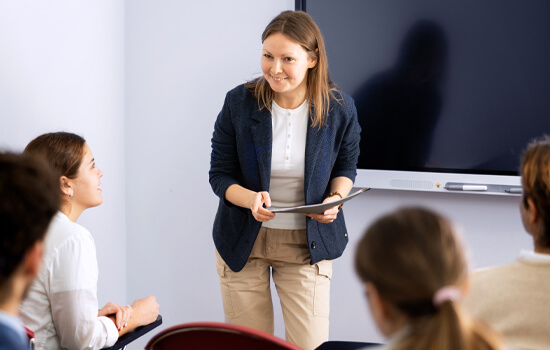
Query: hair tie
[(444, 294)]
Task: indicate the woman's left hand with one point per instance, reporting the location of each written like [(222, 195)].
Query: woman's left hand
[(328, 215), (121, 314)]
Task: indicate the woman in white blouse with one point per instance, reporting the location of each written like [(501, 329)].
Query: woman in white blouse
[(62, 307)]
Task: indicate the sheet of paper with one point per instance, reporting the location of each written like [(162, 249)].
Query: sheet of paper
[(319, 208)]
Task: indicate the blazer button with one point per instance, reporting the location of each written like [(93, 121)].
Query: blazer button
[(313, 244), (345, 234)]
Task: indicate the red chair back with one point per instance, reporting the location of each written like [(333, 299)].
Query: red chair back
[(30, 334), (216, 335)]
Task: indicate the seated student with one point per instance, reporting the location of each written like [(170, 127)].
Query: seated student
[(28, 202), (62, 307), (515, 298), (414, 272)]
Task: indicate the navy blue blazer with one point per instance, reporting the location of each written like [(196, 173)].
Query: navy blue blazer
[(241, 154)]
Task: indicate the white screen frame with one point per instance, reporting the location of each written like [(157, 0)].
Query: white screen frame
[(435, 182)]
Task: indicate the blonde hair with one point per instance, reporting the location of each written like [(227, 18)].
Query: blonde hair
[(535, 179), (408, 256), (299, 27)]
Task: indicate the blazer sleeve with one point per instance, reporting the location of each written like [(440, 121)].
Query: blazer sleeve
[(348, 153), (224, 163)]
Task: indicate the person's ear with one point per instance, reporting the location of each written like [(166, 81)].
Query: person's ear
[(66, 186), (33, 259), (376, 301), (533, 213), (378, 308), (313, 61), (465, 290)]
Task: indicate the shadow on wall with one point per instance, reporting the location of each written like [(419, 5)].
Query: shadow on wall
[(405, 99)]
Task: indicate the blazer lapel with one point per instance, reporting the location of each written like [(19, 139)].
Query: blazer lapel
[(262, 136)]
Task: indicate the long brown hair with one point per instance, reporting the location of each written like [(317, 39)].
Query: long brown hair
[(299, 27), (535, 179), (63, 151), (408, 256)]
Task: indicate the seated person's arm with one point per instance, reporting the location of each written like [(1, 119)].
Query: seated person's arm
[(73, 298), (144, 311)]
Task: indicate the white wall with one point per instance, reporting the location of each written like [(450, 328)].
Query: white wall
[(181, 59), (62, 69), (143, 81)]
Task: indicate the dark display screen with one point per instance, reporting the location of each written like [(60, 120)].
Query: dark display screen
[(441, 85)]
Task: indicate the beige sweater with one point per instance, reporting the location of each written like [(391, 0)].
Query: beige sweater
[(515, 300)]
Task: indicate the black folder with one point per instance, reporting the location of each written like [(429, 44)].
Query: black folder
[(129, 337)]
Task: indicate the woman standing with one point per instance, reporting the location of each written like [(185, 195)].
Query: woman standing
[(61, 307), (287, 138)]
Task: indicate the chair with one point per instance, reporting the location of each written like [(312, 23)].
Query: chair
[(30, 335), (129, 337), (344, 345), (216, 335)]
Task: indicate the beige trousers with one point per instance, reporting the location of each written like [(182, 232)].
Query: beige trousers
[(304, 289)]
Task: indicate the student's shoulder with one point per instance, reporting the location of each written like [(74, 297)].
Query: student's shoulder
[(62, 226), (488, 284), (63, 231), (486, 279), (10, 339), (491, 271)]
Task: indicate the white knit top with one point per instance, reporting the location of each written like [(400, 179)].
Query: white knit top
[(286, 186)]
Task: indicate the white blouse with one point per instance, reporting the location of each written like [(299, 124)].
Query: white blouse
[(61, 306), (288, 156)]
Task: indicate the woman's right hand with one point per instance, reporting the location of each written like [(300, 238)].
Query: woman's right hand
[(257, 200)]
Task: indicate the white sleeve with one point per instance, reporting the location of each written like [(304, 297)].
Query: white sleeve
[(73, 298)]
